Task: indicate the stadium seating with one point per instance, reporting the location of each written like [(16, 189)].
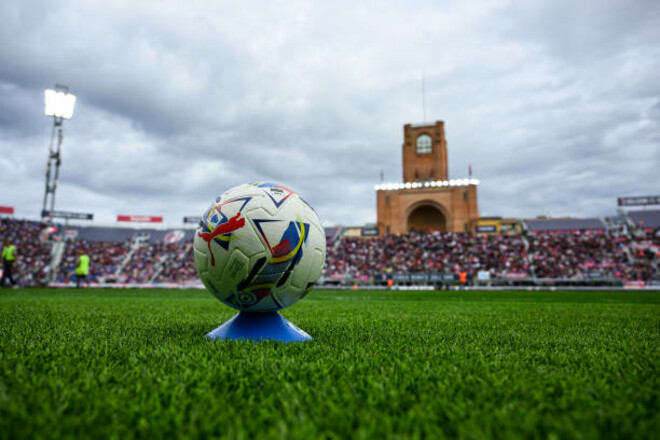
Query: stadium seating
[(33, 256), (147, 257), (575, 254), (648, 219), (105, 259), (426, 252), (565, 224)]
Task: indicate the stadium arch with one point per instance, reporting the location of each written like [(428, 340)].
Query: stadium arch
[(425, 215)]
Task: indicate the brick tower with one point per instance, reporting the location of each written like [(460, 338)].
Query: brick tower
[(427, 198), (424, 153)]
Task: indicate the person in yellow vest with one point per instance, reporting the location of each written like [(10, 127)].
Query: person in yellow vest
[(8, 258), (83, 269)]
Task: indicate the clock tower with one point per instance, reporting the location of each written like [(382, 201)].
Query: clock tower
[(427, 199), (424, 153)]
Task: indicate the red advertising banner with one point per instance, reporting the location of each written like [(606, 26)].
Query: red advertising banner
[(6, 209), (139, 218)]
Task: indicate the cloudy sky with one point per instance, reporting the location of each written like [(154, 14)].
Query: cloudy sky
[(555, 104)]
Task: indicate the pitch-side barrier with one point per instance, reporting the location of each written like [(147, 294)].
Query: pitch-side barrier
[(499, 288), (132, 285), (200, 286)]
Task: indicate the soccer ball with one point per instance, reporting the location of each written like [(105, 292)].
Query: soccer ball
[(259, 247)]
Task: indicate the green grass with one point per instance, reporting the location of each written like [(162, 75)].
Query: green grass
[(382, 365)]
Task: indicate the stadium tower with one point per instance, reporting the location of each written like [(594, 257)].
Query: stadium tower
[(427, 198)]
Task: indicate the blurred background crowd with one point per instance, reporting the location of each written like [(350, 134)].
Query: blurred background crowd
[(565, 255)]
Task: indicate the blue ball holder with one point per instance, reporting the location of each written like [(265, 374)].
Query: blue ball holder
[(259, 326)]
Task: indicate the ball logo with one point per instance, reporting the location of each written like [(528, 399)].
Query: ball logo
[(219, 227)]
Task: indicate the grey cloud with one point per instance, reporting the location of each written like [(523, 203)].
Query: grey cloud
[(555, 106)]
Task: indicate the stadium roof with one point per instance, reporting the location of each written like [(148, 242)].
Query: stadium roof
[(331, 232), (564, 224), (101, 233), (648, 218)]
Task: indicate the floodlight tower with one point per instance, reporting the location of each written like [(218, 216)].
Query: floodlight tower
[(59, 104)]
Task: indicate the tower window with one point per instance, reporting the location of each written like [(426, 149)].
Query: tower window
[(424, 144)]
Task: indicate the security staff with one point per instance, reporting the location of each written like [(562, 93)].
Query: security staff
[(8, 258), (462, 278), (83, 269)]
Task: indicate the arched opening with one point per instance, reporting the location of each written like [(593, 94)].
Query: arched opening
[(425, 217)]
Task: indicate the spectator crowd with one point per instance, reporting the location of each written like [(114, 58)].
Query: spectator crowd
[(426, 252), (565, 255), (105, 259), (33, 256)]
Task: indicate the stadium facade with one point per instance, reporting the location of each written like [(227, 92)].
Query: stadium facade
[(427, 198)]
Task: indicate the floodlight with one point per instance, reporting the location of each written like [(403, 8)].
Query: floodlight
[(59, 104)]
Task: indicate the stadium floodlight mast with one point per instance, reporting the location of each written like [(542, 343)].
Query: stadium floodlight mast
[(59, 104)]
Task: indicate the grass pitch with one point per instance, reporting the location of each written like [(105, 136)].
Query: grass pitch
[(132, 363)]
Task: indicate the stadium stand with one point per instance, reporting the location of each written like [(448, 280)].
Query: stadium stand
[(646, 219), (561, 252), (105, 259), (33, 256), (565, 224), (332, 233), (548, 252), (434, 252), (176, 265), (573, 254), (98, 233)]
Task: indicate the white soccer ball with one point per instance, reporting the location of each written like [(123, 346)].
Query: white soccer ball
[(259, 247)]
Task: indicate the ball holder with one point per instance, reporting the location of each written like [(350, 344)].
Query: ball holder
[(259, 326)]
